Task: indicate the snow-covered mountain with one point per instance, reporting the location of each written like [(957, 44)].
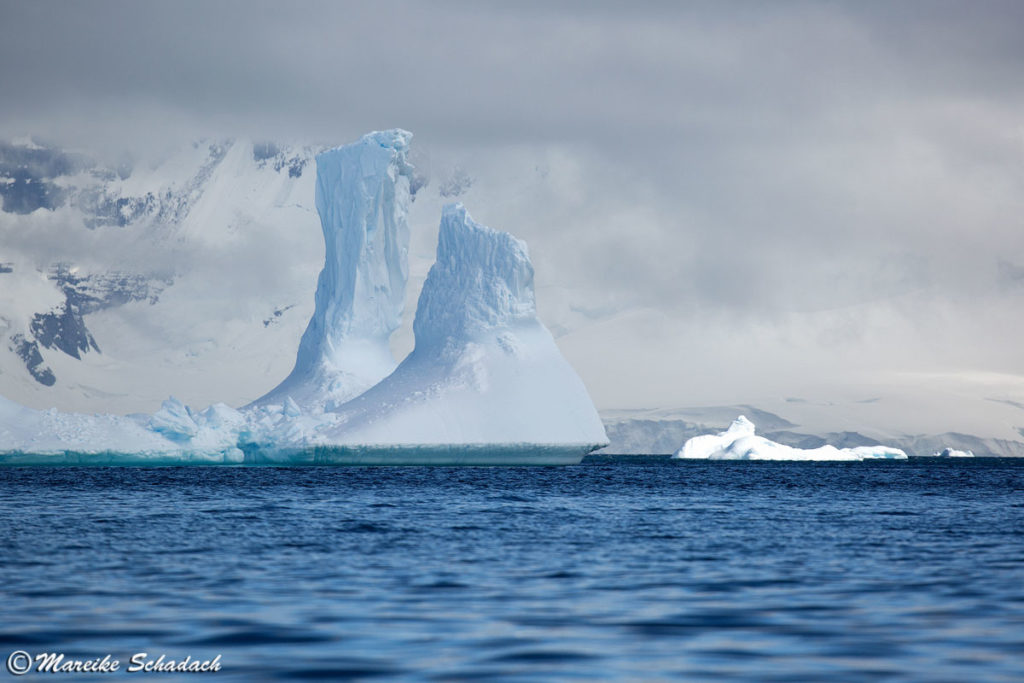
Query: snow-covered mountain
[(123, 282)]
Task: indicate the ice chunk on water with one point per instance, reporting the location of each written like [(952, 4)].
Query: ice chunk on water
[(740, 442), (953, 453), (706, 445)]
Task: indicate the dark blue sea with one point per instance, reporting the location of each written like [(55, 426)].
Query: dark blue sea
[(622, 568)]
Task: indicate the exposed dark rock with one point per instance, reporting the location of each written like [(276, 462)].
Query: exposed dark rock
[(28, 351), (264, 153), (261, 151), (101, 209), (40, 162), (23, 195), (276, 315), (26, 174), (64, 327), (295, 167)]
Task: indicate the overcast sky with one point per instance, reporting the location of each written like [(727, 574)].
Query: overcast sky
[(723, 200)]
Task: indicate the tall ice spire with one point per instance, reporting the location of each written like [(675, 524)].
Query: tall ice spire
[(362, 195)]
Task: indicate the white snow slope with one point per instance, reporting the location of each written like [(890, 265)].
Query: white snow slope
[(485, 383), (739, 442)]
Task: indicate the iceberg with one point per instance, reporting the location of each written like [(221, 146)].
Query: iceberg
[(172, 436), (740, 442), (484, 384), (953, 453), (484, 370), (362, 196)]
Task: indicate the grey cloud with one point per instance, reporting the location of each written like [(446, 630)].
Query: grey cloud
[(749, 158), (1010, 275)]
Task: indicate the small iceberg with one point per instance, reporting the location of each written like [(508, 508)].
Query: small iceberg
[(739, 442), (953, 453)]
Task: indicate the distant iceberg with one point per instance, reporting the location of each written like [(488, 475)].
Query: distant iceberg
[(739, 442), (485, 383), (953, 453)]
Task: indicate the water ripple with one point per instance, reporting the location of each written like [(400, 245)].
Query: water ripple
[(622, 568)]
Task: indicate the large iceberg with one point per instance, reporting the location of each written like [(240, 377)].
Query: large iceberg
[(362, 195), (740, 442), (484, 369), (485, 383)]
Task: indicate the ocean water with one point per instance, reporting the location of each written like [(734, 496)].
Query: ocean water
[(622, 568)]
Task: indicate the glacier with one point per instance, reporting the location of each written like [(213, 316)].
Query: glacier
[(485, 383), (740, 442)]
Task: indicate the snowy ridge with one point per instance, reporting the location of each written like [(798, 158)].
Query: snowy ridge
[(740, 442), (362, 196)]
